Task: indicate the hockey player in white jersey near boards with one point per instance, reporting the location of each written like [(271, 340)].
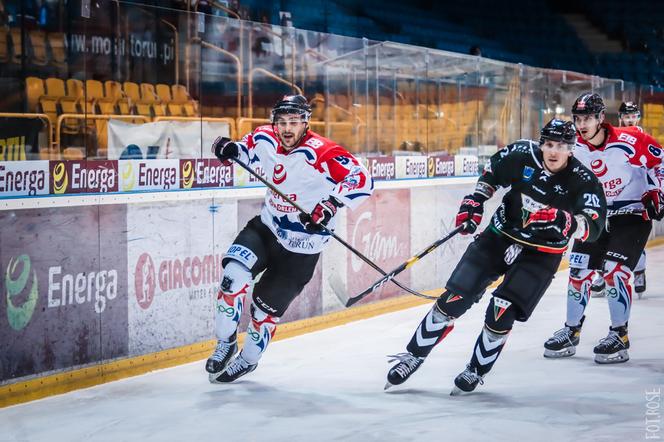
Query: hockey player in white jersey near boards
[(321, 177), (629, 115), (628, 163)]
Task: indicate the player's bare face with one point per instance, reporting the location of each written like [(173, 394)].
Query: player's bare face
[(556, 155), (290, 129), (587, 126), (630, 119)]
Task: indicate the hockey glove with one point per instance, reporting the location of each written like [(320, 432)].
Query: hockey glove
[(225, 149), (320, 216), (652, 202), (470, 213), (558, 220)]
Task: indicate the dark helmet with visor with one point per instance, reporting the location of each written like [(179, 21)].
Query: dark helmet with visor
[(629, 107), (588, 104), (292, 104), (559, 130)]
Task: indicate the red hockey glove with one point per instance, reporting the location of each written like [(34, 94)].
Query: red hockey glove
[(225, 150), (470, 213), (652, 202), (555, 219), (320, 216)]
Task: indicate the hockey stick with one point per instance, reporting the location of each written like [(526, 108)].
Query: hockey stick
[(409, 262), (323, 227)]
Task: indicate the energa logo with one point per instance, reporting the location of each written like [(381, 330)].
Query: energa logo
[(21, 290)]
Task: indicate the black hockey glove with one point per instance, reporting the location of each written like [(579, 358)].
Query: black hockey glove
[(470, 213), (225, 149), (558, 220), (652, 202), (321, 215)]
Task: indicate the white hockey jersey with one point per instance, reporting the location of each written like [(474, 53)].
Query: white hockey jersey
[(315, 169), (628, 164)]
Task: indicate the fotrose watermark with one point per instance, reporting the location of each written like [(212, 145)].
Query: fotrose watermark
[(653, 411)]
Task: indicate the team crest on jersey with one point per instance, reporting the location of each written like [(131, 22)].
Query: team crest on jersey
[(500, 306), (599, 167), (279, 174), (528, 173)]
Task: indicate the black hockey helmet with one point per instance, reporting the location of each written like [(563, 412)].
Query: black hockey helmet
[(292, 104), (629, 107), (559, 130), (588, 104)]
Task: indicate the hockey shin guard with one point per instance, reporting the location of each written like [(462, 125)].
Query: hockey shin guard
[(618, 292), (437, 324), (498, 323), (235, 284), (578, 294), (259, 334)]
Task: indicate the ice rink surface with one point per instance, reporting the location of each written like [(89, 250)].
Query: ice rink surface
[(328, 385)]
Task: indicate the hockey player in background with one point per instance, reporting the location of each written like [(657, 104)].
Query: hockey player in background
[(552, 197), (628, 116), (321, 177), (628, 163)]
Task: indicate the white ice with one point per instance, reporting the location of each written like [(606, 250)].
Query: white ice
[(328, 385)]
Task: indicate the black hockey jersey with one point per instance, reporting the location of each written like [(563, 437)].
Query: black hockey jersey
[(575, 189)]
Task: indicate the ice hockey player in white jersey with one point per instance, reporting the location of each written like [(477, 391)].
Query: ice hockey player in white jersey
[(628, 163), (321, 177), (629, 115)]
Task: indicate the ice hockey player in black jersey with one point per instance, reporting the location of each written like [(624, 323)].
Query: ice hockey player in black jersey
[(552, 198)]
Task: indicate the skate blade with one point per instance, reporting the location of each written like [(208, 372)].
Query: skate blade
[(615, 358), (597, 295), (456, 391), (565, 353), (387, 386)]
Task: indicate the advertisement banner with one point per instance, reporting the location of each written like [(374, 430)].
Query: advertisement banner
[(19, 137), (23, 178), (63, 286), (174, 270), (200, 173), (380, 229), (141, 175), (163, 139), (440, 165), (81, 176), (465, 165), (411, 166), (381, 168)]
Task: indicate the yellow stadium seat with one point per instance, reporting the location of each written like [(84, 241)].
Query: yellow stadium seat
[(4, 46), (56, 40), (175, 110), (34, 89), (38, 43), (148, 93), (17, 46), (164, 93), (115, 92)]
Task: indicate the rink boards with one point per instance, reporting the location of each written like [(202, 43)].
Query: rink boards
[(100, 287)]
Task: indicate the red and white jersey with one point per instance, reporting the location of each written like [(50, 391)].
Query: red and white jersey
[(628, 164), (315, 169)]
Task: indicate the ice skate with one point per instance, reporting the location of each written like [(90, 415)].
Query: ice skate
[(640, 283), (220, 357), (598, 287), (407, 365), (466, 381), (613, 348), (563, 342), (237, 368)]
